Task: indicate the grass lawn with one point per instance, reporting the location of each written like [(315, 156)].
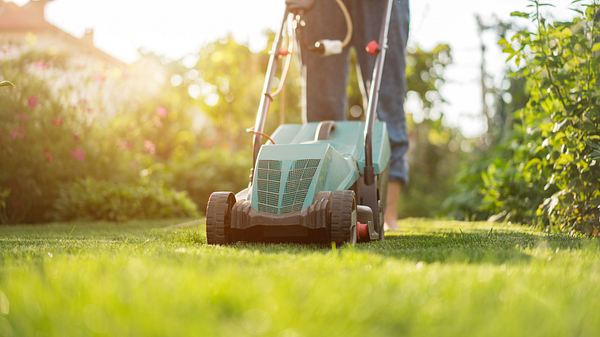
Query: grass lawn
[(433, 278)]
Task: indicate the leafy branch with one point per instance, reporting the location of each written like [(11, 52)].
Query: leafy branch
[(543, 35)]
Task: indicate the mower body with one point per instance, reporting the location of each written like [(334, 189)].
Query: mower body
[(289, 198)]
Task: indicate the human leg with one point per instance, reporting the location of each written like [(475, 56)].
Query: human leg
[(367, 15), (326, 76)]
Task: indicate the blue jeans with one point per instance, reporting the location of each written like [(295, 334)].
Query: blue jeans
[(326, 77)]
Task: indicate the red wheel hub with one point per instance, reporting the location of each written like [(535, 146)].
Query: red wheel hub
[(362, 231)]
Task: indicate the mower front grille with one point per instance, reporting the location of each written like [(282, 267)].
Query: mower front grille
[(268, 179), (299, 180), (299, 177)]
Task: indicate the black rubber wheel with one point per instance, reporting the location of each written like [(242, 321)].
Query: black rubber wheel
[(218, 214), (343, 217)]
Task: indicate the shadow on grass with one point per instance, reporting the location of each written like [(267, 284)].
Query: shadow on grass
[(477, 246)]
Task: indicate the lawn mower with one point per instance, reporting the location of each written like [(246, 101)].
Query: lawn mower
[(318, 182)]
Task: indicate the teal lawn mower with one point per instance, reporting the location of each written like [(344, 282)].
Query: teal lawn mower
[(316, 182)]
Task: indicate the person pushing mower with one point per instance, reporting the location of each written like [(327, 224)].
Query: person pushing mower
[(326, 76), (325, 180)]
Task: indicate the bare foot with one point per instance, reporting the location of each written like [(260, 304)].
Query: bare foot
[(391, 209)]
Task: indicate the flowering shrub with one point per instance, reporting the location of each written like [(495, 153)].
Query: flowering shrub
[(71, 127), (34, 146), (56, 128)]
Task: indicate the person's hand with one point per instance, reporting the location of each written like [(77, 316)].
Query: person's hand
[(299, 4)]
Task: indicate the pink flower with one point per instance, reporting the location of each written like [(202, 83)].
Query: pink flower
[(32, 102), (78, 154), (149, 147), (161, 111), (49, 156), (17, 133), (124, 144), (41, 65), (58, 121)]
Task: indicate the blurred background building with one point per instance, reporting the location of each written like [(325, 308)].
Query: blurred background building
[(28, 23)]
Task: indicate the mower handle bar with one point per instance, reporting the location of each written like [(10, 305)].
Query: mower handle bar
[(369, 173), (266, 98)]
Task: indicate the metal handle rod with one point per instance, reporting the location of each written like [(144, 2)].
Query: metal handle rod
[(369, 173), (266, 99)]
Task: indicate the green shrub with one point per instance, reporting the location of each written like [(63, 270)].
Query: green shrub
[(37, 137), (547, 170), (59, 124), (434, 158), (102, 200), (208, 171)]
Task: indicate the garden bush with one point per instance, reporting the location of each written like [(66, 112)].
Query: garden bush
[(546, 171), (53, 129), (102, 200), (38, 138), (208, 171)]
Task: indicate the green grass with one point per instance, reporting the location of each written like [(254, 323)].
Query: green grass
[(433, 278)]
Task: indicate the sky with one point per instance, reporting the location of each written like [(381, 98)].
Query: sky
[(176, 28)]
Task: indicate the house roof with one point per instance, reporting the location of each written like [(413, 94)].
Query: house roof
[(31, 18), (15, 17)]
